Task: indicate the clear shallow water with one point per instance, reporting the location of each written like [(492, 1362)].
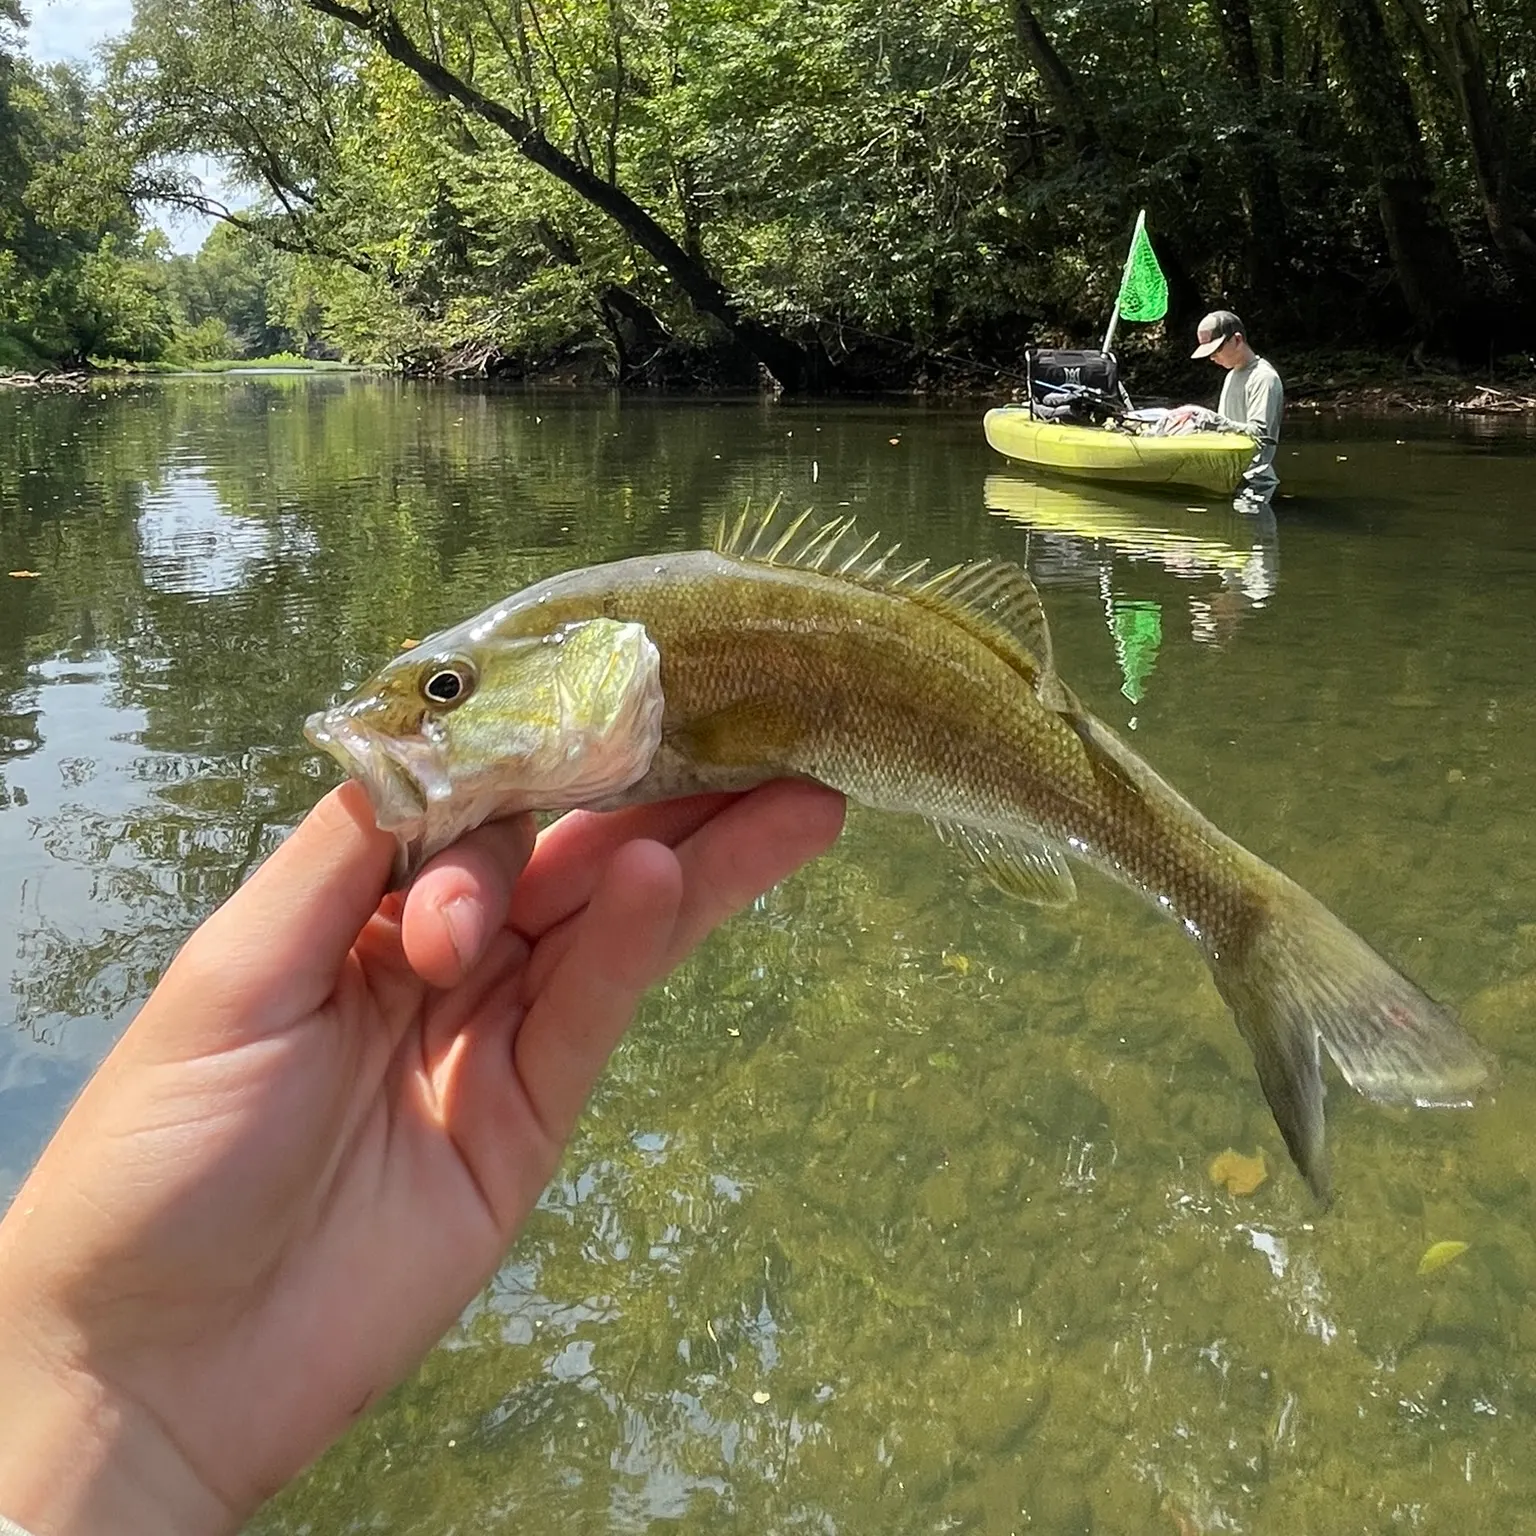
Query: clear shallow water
[(926, 1167)]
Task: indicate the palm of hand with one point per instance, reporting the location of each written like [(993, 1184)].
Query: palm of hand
[(317, 1141)]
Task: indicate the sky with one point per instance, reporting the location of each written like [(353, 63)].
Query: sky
[(69, 31)]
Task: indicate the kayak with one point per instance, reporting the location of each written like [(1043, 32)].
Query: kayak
[(1207, 461)]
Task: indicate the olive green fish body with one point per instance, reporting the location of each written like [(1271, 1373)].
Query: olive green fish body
[(798, 651), (767, 672)]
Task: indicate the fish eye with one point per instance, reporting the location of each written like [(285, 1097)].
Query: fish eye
[(449, 685)]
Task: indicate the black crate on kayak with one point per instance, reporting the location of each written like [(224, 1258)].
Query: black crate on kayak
[(1066, 385)]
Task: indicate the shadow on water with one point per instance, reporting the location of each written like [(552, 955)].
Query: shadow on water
[(893, 1214)]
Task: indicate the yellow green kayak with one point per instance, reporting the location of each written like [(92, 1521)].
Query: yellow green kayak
[(1208, 461)]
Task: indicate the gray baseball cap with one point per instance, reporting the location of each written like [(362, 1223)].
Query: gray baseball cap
[(1217, 327)]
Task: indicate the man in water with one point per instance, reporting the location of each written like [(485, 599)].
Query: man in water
[(1252, 399)]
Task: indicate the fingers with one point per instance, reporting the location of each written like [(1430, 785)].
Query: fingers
[(747, 849), (573, 853), (647, 911), (619, 946), (461, 898), (638, 910), (276, 945)]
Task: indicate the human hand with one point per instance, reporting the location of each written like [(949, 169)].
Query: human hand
[(315, 1143)]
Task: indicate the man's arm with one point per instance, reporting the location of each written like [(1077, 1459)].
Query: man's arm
[(1262, 403)]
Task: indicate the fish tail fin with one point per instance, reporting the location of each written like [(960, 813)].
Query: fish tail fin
[(1299, 976)]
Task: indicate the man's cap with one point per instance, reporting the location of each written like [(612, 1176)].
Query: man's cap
[(1216, 328)]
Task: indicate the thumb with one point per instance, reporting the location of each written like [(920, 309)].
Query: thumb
[(274, 950)]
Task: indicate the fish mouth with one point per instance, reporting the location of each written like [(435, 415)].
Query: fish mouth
[(399, 776)]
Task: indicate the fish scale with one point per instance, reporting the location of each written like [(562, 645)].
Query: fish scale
[(795, 649)]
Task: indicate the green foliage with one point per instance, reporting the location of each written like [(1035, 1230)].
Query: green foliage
[(209, 339), (234, 299), (77, 276), (877, 180), (275, 360), (17, 356)]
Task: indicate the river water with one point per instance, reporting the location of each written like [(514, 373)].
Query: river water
[(893, 1214)]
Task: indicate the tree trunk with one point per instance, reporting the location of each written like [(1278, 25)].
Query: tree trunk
[(1077, 115), (1087, 137), (1424, 256), (1459, 59), (639, 337), (786, 361), (637, 332), (1186, 303), (1268, 239)]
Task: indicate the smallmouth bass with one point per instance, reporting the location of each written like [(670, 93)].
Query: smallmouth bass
[(793, 649)]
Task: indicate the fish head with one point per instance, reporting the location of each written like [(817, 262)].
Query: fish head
[(472, 725)]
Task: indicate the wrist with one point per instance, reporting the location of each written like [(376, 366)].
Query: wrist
[(78, 1459)]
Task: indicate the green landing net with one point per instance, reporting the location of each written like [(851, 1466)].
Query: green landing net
[(1143, 288)]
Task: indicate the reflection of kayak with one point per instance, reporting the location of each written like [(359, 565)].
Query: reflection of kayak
[(1144, 528), (1209, 461)]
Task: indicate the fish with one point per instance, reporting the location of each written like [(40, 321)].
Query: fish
[(797, 647)]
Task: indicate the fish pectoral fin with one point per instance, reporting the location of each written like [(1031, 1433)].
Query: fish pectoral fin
[(742, 735), (1025, 865)]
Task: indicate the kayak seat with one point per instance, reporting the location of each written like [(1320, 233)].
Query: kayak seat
[(1066, 385)]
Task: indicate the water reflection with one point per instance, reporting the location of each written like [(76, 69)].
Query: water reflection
[(192, 543), (892, 1214), (1103, 539)]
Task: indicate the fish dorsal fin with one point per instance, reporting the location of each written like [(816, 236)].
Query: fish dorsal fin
[(993, 599), (1028, 866)]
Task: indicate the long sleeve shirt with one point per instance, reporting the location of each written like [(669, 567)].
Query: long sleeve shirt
[(1252, 401)]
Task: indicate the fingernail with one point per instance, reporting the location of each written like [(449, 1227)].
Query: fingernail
[(466, 928)]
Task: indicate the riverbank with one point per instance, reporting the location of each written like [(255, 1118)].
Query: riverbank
[(1321, 381), (1368, 382), (1451, 395), (114, 371), (285, 362)]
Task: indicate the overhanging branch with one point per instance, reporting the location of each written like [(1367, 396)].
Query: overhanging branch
[(782, 357)]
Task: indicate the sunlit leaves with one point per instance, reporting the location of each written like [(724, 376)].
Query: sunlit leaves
[(860, 176)]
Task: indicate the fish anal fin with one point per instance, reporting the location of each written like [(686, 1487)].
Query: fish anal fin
[(1023, 865)]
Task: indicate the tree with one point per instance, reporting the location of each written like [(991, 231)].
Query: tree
[(1424, 256), (782, 357), (76, 279), (266, 89), (237, 282), (1458, 51), (1268, 243), (681, 189)]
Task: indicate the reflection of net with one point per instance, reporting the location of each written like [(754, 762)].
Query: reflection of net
[(1138, 631)]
